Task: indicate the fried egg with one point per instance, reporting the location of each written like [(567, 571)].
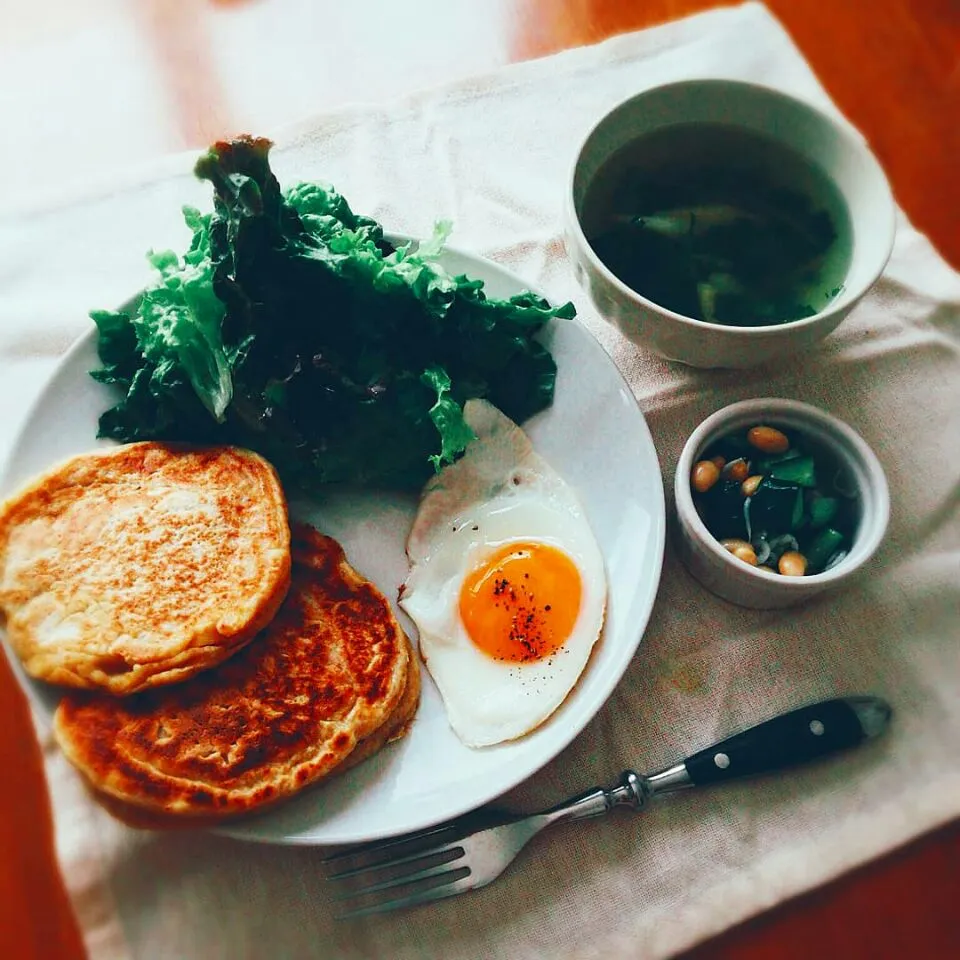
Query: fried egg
[(507, 584)]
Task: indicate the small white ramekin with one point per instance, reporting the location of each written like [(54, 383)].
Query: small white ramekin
[(722, 573)]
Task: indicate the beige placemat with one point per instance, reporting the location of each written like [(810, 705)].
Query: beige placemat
[(493, 155)]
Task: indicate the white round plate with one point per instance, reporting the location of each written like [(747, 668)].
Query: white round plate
[(595, 436)]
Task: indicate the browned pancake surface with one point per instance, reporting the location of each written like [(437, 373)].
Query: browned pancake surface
[(329, 672), (142, 564)]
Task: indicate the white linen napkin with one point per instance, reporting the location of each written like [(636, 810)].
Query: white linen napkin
[(493, 154)]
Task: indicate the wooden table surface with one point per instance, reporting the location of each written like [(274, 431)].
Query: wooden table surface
[(180, 74)]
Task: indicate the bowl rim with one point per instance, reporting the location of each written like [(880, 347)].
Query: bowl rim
[(846, 132), (772, 407)]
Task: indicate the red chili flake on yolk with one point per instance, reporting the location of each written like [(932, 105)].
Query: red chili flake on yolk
[(522, 602)]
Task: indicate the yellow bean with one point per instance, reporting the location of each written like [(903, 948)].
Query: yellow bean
[(736, 470), (768, 439), (705, 475), (749, 486), (792, 564), (733, 543), (719, 461), (746, 554)]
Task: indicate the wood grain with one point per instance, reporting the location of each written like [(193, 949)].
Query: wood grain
[(893, 66), (902, 906), (36, 922)]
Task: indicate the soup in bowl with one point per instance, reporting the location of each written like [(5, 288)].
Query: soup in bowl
[(722, 224)]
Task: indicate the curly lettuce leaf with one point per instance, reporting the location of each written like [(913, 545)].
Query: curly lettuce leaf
[(292, 327), (177, 321), (447, 416)]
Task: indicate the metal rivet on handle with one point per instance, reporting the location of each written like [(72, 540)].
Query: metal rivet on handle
[(817, 728), (722, 761)]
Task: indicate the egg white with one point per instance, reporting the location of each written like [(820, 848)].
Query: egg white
[(500, 492)]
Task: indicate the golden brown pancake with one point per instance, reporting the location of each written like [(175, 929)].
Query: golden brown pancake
[(142, 564), (395, 728), (328, 683)]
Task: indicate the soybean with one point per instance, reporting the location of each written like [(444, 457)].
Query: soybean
[(705, 475), (746, 554), (737, 470), (749, 486), (768, 439), (792, 564), (732, 543)]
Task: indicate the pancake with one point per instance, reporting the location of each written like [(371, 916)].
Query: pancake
[(142, 564), (328, 683), (394, 729)]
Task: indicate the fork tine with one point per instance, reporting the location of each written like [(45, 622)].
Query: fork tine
[(432, 853), (412, 900), (381, 852), (385, 847), (427, 873)]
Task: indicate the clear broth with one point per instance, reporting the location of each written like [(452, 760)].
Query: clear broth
[(720, 224)]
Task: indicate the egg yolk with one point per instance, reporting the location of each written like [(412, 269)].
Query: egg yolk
[(522, 602)]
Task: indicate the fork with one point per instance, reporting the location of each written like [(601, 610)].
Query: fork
[(471, 851)]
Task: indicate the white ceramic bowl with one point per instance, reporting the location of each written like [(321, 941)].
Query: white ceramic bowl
[(722, 573), (833, 146)]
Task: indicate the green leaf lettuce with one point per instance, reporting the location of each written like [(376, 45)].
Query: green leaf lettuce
[(291, 326)]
